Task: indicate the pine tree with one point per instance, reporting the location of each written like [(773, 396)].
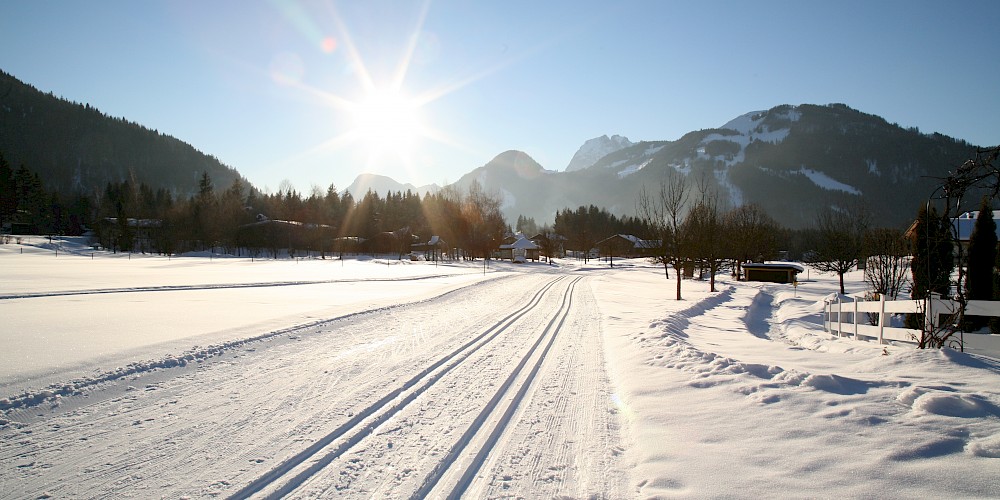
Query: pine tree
[(8, 193), (982, 257), (944, 254), (995, 322), (933, 258)]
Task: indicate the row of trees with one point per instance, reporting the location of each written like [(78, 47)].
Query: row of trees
[(131, 216), (694, 229)]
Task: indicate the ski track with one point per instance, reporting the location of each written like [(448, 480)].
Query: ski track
[(220, 286), (360, 406), (360, 425)]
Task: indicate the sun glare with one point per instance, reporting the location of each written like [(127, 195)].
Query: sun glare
[(387, 120)]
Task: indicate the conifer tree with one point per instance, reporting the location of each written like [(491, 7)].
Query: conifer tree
[(982, 255), (933, 258), (8, 193)]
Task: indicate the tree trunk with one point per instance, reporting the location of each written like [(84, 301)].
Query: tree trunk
[(842, 283), (678, 270)]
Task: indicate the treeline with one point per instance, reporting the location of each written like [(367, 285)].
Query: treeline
[(131, 216), (584, 227), (75, 147)]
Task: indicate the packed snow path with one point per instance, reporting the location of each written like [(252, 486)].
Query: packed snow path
[(495, 389)]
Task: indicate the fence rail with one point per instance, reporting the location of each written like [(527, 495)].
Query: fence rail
[(851, 318)]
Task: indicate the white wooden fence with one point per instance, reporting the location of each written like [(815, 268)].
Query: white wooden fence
[(850, 318)]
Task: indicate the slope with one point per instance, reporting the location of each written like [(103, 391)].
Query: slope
[(76, 148)]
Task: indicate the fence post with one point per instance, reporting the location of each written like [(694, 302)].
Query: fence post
[(881, 317), (840, 315), (827, 310), (928, 314), (855, 318)]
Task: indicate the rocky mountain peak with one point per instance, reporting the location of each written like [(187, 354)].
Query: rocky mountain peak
[(595, 149)]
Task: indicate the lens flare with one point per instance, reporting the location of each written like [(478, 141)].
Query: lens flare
[(329, 45)]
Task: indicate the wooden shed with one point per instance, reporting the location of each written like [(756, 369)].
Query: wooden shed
[(773, 272)]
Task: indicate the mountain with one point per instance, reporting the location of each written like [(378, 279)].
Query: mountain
[(791, 160), (383, 185), (76, 148), (529, 189), (595, 149)]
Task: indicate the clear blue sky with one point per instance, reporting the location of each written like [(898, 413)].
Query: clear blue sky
[(282, 91)]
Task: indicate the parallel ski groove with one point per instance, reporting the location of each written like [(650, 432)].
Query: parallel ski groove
[(431, 481), (354, 426)]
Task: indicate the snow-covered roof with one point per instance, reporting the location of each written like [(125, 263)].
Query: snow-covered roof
[(521, 243), (775, 265), (965, 222), (636, 241)]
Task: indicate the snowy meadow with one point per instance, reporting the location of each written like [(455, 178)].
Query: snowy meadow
[(205, 376)]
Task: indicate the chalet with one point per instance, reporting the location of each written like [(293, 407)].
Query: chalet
[(556, 243), (520, 250), (432, 249), (139, 235), (964, 223), (961, 229), (627, 246), (773, 272), (270, 235)]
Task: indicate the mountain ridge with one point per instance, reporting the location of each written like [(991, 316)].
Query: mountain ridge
[(791, 160), (77, 148), (382, 185)]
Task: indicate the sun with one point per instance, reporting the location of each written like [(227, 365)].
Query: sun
[(387, 120)]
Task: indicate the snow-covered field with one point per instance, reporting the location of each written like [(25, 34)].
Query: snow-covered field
[(194, 377)]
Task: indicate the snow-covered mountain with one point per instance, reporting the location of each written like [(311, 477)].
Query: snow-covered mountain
[(383, 185), (595, 149), (790, 160), (794, 160)]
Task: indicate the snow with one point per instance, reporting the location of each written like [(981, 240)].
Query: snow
[(631, 169), (873, 167), (594, 149), (826, 182), (631, 165), (735, 193), (359, 379)]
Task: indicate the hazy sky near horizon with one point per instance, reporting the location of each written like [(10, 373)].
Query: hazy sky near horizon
[(316, 92)]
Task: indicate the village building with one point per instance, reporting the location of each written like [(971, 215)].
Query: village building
[(520, 250), (772, 272), (963, 225), (433, 249), (627, 246)]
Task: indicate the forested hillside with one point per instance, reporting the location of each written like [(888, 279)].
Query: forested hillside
[(74, 148)]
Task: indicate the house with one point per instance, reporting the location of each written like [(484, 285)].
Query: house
[(627, 246), (773, 272), (521, 250), (128, 235), (556, 243), (961, 229), (433, 249), (963, 224)]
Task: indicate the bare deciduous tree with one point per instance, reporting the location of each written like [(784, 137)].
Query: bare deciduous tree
[(888, 265), (751, 235), (664, 215), (703, 227), (841, 240)]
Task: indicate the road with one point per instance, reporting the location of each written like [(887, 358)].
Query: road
[(492, 390)]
